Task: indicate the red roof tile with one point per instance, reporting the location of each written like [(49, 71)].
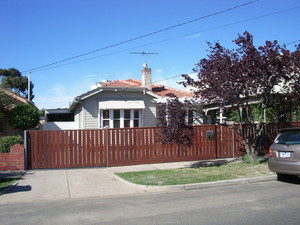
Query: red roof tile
[(156, 88)]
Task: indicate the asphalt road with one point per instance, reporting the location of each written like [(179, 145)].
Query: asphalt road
[(270, 202)]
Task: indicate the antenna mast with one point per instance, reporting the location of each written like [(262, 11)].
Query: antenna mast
[(144, 54)]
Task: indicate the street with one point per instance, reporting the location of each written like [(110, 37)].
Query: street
[(259, 203)]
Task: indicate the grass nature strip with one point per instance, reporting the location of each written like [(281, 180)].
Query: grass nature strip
[(197, 175), (5, 182)]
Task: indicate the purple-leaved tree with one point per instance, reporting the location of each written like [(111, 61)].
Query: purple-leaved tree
[(239, 78), (171, 119)]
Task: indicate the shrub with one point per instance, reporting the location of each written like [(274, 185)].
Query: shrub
[(23, 116), (7, 142)]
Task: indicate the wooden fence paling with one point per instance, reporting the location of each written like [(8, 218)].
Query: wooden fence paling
[(114, 147)]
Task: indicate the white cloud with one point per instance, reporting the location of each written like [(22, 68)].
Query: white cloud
[(158, 71), (197, 35)]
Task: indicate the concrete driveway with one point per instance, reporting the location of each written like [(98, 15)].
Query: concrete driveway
[(55, 184), (42, 185)]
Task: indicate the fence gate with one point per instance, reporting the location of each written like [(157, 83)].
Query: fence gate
[(67, 148)]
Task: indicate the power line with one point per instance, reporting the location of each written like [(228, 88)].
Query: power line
[(173, 38), (292, 42), (143, 36)]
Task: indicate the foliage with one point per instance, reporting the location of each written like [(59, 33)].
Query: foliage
[(271, 113), (171, 119), (23, 116), (13, 80), (8, 141), (240, 77), (5, 102), (42, 112)]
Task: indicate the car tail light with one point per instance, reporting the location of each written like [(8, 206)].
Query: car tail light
[(271, 155)]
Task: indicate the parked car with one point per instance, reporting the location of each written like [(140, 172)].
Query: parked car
[(284, 154)]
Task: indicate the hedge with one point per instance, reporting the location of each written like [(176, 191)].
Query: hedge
[(8, 141)]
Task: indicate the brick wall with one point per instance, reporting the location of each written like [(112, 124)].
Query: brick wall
[(13, 160)]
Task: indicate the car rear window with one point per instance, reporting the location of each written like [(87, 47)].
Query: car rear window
[(289, 138)]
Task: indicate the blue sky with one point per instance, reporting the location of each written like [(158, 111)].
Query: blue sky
[(35, 33)]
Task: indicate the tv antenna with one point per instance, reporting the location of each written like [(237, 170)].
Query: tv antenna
[(144, 54)]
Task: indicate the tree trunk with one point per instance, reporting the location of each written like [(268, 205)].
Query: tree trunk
[(250, 150)]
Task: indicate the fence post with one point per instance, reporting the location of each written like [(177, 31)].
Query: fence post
[(233, 143), (25, 150), (106, 139), (216, 140)]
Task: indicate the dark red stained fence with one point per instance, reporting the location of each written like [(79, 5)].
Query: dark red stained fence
[(130, 146)]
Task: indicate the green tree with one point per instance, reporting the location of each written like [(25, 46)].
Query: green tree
[(5, 102), (23, 117), (13, 80)]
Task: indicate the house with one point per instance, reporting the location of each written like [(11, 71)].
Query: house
[(13, 99), (121, 103), (59, 119)]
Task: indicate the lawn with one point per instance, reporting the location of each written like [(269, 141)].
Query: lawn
[(5, 182), (197, 175)]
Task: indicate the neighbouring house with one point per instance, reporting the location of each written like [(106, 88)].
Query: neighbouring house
[(118, 104), (5, 128), (59, 119)]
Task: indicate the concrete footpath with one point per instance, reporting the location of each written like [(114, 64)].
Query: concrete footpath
[(58, 184)]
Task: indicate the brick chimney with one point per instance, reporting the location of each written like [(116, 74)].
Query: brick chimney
[(146, 78)]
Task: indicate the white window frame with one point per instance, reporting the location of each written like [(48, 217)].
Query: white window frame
[(122, 118)]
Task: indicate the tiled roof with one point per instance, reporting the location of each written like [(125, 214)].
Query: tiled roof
[(17, 97), (156, 88)]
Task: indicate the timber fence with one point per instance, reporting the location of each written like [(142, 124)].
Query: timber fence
[(132, 146)]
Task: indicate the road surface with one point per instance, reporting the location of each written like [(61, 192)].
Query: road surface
[(270, 202)]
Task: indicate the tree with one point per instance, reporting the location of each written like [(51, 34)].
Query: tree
[(23, 117), (265, 75), (6, 102), (172, 122), (13, 80)]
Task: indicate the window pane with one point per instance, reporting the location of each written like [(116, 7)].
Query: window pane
[(136, 123), (116, 114), (105, 123), (136, 113), (116, 123), (105, 114), (60, 117), (127, 113), (126, 123)]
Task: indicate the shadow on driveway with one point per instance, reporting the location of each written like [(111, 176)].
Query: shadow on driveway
[(17, 188)]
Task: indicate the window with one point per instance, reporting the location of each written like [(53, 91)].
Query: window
[(105, 119), (136, 118), (59, 117), (127, 117), (289, 138), (120, 118)]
